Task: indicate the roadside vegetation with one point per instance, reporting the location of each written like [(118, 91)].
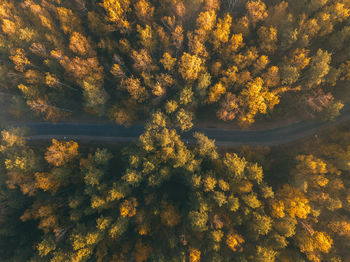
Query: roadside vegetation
[(122, 59)]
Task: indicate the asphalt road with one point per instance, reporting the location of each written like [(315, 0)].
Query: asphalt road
[(112, 133)]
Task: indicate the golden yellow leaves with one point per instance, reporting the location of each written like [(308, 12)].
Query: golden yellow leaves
[(142, 60), (205, 23), (216, 92), (103, 222), (184, 119), (117, 71), (11, 138), (8, 27), (308, 164), (117, 11), (19, 59), (177, 36), (236, 42), (222, 32), (338, 11), (256, 99), (158, 90), (196, 45), (60, 153), (234, 241), (190, 67), (18, 163), (294, 202), (253, 99), (50, 80), (128, 207), (144, 11), (171, 106), (277, 209), (300, 59), (79, 44), (46, 246), (209, 183), (5, 9), (84, 68), (313, 243), (235, 164), (133, 86), (195, 255), (46, 182), (145, 36), (341, 227), (168, 61), (261, 63), (256, 11)]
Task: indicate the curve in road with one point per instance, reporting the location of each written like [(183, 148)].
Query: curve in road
[(112, 133)]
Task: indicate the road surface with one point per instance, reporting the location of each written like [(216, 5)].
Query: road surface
[(112, 133)]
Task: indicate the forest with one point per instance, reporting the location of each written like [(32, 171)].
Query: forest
[(171, 65)]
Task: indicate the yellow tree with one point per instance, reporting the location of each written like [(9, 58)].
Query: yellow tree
[(46, 182), (319, 68), (9, 27), (145, 36), (142, 60), (195, 255), (300, 59), (313, 244), (256, 98), (256, 10), (221, 33), (11, 138), (216, 92), (117, 11), (205, 23), (128, 207), (236, 42), (196, 46), (234, 241), (79, 44), (60, 153), (168, 61), (42, 106), (190, 67), (292, 201), (261, 63), (177, 36), (144, 11), (184, 119), (134, 88), (19, 59)]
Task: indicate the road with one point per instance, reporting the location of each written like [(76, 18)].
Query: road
[(112, 133)]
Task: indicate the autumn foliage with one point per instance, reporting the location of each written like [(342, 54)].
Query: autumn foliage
[(174, 195)]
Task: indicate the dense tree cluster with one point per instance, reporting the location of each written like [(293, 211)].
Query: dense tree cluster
[(120, 58), (164, 201), (163, 198)]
